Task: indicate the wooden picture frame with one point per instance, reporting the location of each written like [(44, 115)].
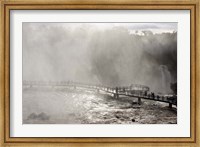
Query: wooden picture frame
[(7, 5)]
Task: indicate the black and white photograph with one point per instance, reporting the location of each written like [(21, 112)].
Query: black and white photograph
[(99, 73)]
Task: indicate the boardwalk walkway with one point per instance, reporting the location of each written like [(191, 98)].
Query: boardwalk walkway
[(115, 92)]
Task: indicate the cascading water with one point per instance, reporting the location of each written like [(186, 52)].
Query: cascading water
[(165, 79)]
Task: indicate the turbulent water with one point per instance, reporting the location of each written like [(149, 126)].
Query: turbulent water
[(78, 107)]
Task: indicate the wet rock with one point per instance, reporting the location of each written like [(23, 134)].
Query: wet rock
[(41, 116), (136, 107), (117, 116), (32, 116), (127, 107), (122, 119), (105, 117), (133, 120), (134, 103)]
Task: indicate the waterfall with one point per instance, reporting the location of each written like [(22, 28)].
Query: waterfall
[(165, 79)]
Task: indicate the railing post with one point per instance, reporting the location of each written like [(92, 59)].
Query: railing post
[(170, 105)]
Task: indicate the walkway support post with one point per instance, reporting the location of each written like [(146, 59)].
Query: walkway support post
[(170, 105), (139, 101), (117, 96)]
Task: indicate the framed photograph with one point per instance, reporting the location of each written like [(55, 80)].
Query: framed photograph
[(99, 73)]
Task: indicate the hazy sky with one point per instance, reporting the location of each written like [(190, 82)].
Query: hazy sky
[(103, 53), (154, 27)]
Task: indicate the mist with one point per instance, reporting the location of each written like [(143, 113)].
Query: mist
[(107, 54)]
